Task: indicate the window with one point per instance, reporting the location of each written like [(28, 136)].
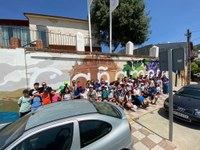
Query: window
[(42, 34), (190, 92), (107, 109), (92, 130), (58, 138), (21, 33)]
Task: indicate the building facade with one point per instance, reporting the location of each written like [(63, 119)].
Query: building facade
[(45, 31)]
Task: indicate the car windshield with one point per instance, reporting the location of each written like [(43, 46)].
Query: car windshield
[(190, 92), (107, 109), (11, 132)]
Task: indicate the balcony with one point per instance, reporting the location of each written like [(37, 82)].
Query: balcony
[(16, 37)]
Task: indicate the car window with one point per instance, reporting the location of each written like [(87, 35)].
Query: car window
[(107, 109), (92, 130), (57, 138), (188, 91), (11, 132)]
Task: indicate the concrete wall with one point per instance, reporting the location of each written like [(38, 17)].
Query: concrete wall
[(20, 68)]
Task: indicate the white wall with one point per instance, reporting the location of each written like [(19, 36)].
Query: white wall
[(20, 69), (61, 28)]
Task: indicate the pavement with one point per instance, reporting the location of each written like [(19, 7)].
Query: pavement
[(144, 138)]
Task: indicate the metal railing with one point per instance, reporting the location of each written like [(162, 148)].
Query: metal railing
[(28, 37)]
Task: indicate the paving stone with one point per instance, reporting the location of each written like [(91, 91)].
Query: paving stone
[(167, 145), (135, 139), (140, 146), (149, 143), (136, 126), (144, 131), (155, 138), (138, 135), (157, 148)]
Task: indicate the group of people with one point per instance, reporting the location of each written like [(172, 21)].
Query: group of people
[(129, 93)]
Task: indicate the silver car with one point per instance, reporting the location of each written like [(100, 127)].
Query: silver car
[(70, 125)]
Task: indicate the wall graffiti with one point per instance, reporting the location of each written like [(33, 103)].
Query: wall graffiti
[(54, 68), (142, 67)]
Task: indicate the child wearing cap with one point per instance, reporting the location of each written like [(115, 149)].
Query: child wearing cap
[(99, 98), (91, 93), (36, 100)]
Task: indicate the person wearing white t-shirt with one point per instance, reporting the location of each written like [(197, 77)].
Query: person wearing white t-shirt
[(136, 92), (84, 94)]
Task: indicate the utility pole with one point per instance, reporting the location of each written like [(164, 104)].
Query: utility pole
[(188, 35)]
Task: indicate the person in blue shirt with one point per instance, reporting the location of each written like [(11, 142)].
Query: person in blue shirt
[(153, 95), (36, 100), (96, 84)]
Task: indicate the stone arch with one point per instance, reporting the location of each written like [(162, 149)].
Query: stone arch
[(102, 74), (86, 76), (119, 73), (150, 72), (141, 72)]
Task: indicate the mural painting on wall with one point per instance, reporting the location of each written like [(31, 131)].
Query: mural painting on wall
[(142, 67), (94, 68), (108, 69)]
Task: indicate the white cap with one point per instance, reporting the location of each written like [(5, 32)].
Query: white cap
[(34, 92), (99, 95)]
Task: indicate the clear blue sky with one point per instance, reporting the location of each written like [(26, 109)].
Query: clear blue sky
[(170, 18)]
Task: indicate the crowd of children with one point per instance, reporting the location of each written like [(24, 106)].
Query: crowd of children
[(129, 93)]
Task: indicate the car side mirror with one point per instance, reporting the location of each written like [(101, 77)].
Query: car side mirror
[(174, 91)]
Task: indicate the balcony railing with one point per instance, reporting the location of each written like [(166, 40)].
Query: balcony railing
[(24, 37)]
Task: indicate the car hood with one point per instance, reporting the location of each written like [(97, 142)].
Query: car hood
[(186, 102)]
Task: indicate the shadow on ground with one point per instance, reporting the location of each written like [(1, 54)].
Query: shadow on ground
[(162, 112)]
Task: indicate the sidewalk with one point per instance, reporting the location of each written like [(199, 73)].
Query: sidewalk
[(144, 139)]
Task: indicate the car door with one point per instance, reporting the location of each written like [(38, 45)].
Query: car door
[(59, 136)]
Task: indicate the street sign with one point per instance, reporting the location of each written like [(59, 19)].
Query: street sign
[(177, 60)]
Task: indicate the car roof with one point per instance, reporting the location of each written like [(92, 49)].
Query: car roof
[(193, 86), (59, 110)]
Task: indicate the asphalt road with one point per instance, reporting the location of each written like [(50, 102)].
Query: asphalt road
[(185, 136)]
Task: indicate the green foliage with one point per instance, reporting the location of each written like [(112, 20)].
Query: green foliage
[(195, 68), (137, 64), (130, 22), (127, 68)]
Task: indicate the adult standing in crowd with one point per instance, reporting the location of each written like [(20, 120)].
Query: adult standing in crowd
[(165, 86), (35, 88)]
